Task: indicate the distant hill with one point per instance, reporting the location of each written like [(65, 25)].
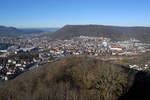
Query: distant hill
[(9, 30), (72, 78), (49, 29), (37, 30), (114, 32), (30, 31)]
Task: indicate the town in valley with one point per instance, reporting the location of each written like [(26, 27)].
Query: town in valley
[(27, 52)]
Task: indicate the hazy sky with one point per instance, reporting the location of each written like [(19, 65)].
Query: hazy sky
[(56, 13)]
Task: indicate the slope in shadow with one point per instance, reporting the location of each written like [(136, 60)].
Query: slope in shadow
[(140, 89)]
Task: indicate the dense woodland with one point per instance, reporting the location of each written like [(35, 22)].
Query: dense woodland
[(78, 78), (114, 32)]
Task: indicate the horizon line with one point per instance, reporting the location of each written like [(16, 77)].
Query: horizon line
[(75, 25)]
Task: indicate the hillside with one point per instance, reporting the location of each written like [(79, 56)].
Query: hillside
[(30, 31), (113, 32), (38, 30), (72, 78), (9, 31)]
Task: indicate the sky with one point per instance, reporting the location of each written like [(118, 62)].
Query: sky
[(57, 13)]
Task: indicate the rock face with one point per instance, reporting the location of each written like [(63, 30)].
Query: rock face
[(113, 32), (72, 78)]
